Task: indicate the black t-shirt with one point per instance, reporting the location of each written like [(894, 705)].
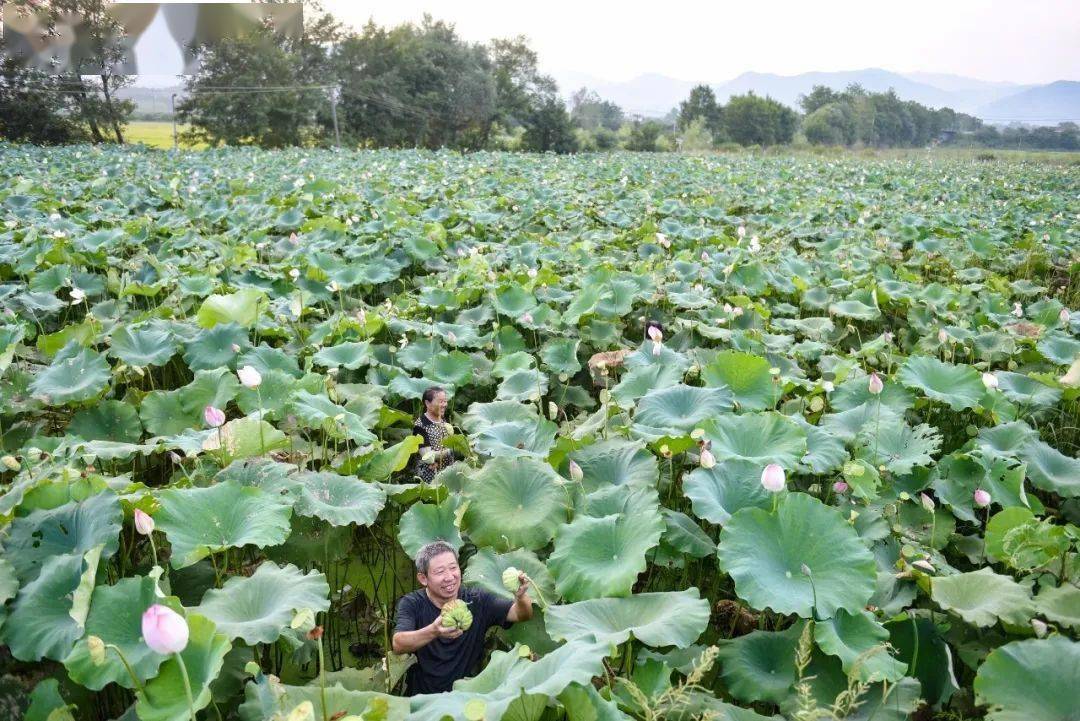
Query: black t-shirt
[(443, 661)]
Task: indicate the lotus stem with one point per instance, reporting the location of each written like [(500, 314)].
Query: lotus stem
[(322, 677), (123, 660), (539, 595), (187, 684), (262, 442)]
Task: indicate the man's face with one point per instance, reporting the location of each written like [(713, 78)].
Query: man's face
[(437, 406), (443, 577)]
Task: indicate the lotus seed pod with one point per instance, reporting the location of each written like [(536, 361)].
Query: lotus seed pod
[(510, 579), (96, 647), (10, 463), (456, 614)]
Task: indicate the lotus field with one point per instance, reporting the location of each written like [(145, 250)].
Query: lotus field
[(837, 481)]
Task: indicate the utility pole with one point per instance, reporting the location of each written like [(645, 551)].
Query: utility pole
[(333, 112), (172, 102)]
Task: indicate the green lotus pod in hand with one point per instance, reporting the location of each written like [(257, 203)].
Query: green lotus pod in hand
[(511, 579), (456, 614)]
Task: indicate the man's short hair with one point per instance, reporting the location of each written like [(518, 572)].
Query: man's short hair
[(429, 551)]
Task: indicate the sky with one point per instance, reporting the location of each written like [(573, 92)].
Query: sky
[(1024, 41)]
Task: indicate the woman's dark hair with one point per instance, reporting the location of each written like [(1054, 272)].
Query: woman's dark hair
[(430, 393)]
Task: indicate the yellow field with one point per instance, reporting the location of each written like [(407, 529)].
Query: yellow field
[(154, 134)]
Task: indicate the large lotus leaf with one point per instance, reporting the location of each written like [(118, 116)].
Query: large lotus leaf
[(245, 438), (486, 567), (597, 557), (427, 522), (1032, 680), (560, 355), (760, 666), (1027, 392), (351, 355), (513, 301), (643, 380), (381, 464), (202, 521), (584, 703), (678, 410), (76, 374), (526, 385), (241, 307), (859, 642), (825, 452), (116, 618), (42, 623), (73, 528), (145, 344), (338, 500), (510, 363), (267, 699), (1060, 604), (761, 438), (1051, 470), (670, 618), (641, 504), (107, 421), (717, 493), (257, 608), (684, 535), (765, 554), (451, 369), (9, 586), (164, 697), (515, 502), (898, 446), (982, 597), (482, 415), (616, 463), (318, 412), (847, 425), (855, 391), (748, 378), (215, 347), (959, 386), (1006, 440), (516, 438)]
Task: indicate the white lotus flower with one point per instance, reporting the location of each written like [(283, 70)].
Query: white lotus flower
[(576, 474), (1018, 310), (989, 380), (708, 460), (1063, 316), (249, 377), (78, 295), (294, 274), (772, 478)]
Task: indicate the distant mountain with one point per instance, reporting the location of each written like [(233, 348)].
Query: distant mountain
[(654, 95), (1041, 104)]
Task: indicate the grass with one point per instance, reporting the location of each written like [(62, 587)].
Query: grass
[(156, 134)]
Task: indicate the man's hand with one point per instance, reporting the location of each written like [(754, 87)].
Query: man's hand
[(444, 632), (522, 609), (523, 585)]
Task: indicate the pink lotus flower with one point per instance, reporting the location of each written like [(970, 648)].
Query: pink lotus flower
[(927, 502), (576, 474), (655, 334), (772, 478), (840, 487), (144, 524), (164, 630), (875, 385), (1063, 316), (982, 498), (527, 318), (704, 257), (708, 460), (942, 336), (214, 417)]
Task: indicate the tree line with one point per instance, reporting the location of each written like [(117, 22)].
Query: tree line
[(421, 85)]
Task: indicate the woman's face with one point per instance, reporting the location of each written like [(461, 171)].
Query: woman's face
[(437, 405)]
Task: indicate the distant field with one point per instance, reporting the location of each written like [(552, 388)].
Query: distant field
[(154, 133)]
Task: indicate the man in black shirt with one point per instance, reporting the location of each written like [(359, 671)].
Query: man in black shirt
[(443, 655)]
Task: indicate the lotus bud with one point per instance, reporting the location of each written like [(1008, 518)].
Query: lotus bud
[(805, 570), (981, 498), (704, 257), (527, 318), (942, 336), (174, 457), (924, 565), (727, 307), (164, 630), (1063, 316), (235, 348), (662, 240), (333, 286), (772, 478), (989, 380), (96, 647), (840, 487), (249, 377), (888, 337), (531, 272), (144, 524), (214, 417), (741, 232), (1039, 627), (707, 459), (875, 386), (927, 502), (655, 334), (10, 463), (737, 311), (78, 295), (755, 246), (553, 410), (828, 386), (294, 274), (1018, 310), (576, 474)]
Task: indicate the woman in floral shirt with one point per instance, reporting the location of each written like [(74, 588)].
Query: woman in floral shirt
[(433, 456)]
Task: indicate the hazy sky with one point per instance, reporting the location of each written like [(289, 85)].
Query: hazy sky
[(1028, 41)]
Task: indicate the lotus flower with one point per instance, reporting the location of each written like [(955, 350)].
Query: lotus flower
[(741, 231), (942, 336), (78, 295), (772, 478), (704, 257), (927, 502), (662, 240), (1063, 316), (840, 487), (888, 337), (576, 474), (333, 286), (708, 460), (990, 380), (214, 417), (144, 524), (294, 274), (737, 311), (655, 334), (164, 630), (924, 565), (982, 498), (875, 386), (527, 318), (250, 377), (1018, 310)]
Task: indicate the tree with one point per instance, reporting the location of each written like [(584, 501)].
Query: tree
[(548, 127), (749, 119), (644, 136), (818, 97), (589, 111), (831, 124), (33, 107), (696, 138), (702, 104), (519, 85)]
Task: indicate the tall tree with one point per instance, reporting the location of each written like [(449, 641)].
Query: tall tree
[(702, 104), (589, 111), (33, 105), (548, 127), (519, 85)]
